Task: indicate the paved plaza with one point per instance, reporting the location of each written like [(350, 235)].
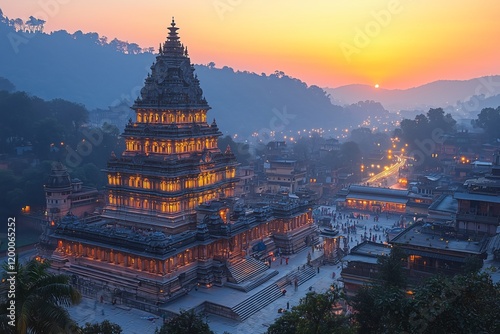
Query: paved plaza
[(135, 321)]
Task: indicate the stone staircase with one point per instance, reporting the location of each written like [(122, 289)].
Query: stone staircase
[(266, 296), (245, 269), (253, 282)]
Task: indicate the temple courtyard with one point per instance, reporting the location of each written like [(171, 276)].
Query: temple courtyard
[(137, 321)]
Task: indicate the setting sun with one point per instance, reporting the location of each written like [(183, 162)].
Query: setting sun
[(377, 86), (339, 42)]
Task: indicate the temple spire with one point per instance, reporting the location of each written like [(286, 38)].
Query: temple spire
[(173, 45)]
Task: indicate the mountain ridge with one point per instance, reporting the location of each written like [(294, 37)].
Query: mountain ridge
[(439, 93)]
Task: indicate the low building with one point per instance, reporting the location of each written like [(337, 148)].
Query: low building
[(64, 195), (246, 181), (376, 199), (285, 175), (437, 249), (362, 266), (478, 211), (443, 209)]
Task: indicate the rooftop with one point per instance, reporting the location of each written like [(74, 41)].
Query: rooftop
[(377, 191), (445, 203), (431, 236), (368, 251), (477, 197)]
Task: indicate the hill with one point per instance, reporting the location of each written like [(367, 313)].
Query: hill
[(87, 69), (440, 93)]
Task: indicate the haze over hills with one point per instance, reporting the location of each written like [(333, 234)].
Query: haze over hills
[(87, 68), (440, 93)]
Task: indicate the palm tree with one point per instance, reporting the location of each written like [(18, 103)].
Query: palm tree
[(41, 298)]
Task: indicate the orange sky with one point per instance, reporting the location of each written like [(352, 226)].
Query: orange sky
[(395, 43)]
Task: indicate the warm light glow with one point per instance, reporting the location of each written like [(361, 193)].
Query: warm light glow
[(377, 86), (371, 41)]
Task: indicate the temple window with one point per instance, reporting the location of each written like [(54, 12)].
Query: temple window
[(139, 117)]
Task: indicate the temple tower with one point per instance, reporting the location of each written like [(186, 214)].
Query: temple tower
[(57, 192), (171, 163)]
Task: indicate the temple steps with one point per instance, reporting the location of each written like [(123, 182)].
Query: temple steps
[(266, 296), (254, 282), (245, 269), (101, 275)]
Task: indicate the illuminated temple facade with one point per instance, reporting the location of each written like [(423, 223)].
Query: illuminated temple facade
[(171, 222)]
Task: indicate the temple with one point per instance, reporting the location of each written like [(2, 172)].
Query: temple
[(171, 222)]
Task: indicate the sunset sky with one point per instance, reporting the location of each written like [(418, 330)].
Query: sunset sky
[(396, 44)]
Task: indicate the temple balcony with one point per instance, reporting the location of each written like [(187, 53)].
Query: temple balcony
[(170, 131)]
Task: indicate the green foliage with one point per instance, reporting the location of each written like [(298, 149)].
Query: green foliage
[(368, 141), (56, 130), (381, 309), (460, 304), (187, 322), (22, 188), (41, 299), (391, 272), (240, 150), (105, 327), (472, 264), (425, 131), (314, 315), (6, 85), (489, 120)]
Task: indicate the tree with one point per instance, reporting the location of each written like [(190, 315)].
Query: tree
[(462, 304), (489, 120), (6, 85), (380, 307), (41, 299), (186, 322), (391, 272), (240, 150), (105, 327), (350, 156), (314, 314), (472, 264)]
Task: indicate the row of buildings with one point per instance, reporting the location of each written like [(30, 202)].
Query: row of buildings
[(459, 227)]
